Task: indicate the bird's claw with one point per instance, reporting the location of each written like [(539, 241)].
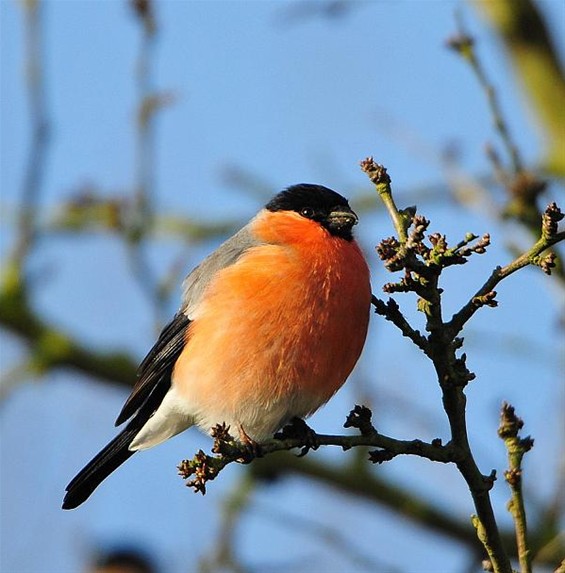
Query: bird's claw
[(251, 448), (298, 429)]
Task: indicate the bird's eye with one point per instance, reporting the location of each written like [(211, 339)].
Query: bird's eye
[(307, 212)]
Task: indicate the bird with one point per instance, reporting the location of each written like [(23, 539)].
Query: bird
[(270, 326)]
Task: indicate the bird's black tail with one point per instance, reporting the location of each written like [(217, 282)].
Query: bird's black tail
[(154, 381), (99, 468)]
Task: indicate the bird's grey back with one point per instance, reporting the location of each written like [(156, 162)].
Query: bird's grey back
[(224, 256)]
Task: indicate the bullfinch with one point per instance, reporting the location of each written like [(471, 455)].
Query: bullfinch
[(271, 325)]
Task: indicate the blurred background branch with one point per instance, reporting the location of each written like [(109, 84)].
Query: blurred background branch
[(533, 54), (34, 170), (524, 187)]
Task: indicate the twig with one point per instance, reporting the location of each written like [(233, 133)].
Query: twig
[(379, 176), (51, 347), (510, 426), (536, 59), (35, 164), (523, 186), (422, 265), (140, 214), (549, 237), (147, 105), (464, 45), (336, 542), (14, 376), (391, 311), (88, 210), (141, 218)]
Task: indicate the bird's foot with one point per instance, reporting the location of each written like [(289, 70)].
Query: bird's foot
[(251, 448), (298, 429)]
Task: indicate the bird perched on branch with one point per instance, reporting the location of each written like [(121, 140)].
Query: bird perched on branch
[(270, 327)]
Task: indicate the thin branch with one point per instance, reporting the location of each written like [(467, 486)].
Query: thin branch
[(203, 468), (464, 45), (51, 348), (40, 130), (89, 210), (335, 541), (356, 480), (535, 58), (422, 266), (379, 176), (140, 218), (523, 186), (141, 215), (510, 426), (148, 104), (391, 312), (531, 257), (12, 377)]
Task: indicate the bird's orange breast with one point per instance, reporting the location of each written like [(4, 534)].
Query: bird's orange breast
[(277, 333)]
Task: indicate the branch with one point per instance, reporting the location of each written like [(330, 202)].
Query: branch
[(535, 59), (510, 425), (549, 237), (141, 214), (90, 210), (49, 346), (355, 480), (391, 312), (40, 130), (423, 265), (464, 45), (336, 539), (523, 186), (224, 554), (379, 176), (203, 468), (227, 450)]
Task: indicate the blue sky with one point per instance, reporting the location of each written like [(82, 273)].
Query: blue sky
[(288, 100)]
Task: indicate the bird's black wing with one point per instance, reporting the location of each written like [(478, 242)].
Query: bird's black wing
[(159, 361)]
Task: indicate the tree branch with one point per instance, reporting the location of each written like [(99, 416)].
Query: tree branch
[(379, 176), (391, 312), (464, 45), (536, 61), (49, 346), (523, 186), (548, 238), (40, 131), (275, 460), (510, 425), (203, 468), (423, 265)]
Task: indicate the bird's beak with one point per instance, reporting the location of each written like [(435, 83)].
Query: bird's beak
[(342, 218)]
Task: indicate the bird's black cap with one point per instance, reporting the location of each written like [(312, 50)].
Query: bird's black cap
[(318, 203)]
